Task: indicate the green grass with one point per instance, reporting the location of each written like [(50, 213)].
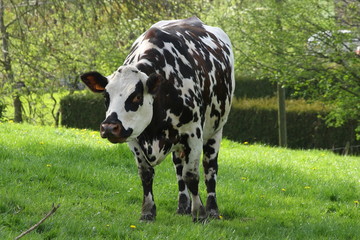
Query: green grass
[(263, 192)]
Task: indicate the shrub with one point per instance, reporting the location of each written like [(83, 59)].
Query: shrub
[(82, 110), (256, 121)]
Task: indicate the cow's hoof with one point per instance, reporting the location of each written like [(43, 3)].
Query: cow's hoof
[(184, 210), (212, 208), (200, 216), (214, 214), (184, 206), (147, 218)]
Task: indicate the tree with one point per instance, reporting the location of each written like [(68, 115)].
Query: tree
[(48, 44), (8, 74), (328, 73)]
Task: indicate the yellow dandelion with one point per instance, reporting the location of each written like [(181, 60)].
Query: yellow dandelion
[(132, 226), (42, 143), (356, 202), (246, 143), (307, 187), (107, 225), (48, 165), (243, 178), (221, 217), (283, 189)]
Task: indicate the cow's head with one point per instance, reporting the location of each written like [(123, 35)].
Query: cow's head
[(129, 96)]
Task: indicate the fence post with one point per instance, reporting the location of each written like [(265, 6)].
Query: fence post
[(281, 116)]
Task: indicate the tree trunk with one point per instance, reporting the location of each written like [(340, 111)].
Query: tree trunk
[(6, 62), (17, 109)]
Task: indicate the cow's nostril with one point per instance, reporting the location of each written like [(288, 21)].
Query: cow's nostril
[(116, 130), (109, 130), (104, 130)]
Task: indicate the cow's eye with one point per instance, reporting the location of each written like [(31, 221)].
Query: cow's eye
[(137, 98)]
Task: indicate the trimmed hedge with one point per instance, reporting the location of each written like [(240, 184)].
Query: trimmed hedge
[(250, 120), (82, 110), (247, 87), (250, 88)]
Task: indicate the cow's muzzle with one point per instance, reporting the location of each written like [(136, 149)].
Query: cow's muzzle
[(110, 130), (113, 130)]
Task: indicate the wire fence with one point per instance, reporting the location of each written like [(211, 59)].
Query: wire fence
[(347, 150)]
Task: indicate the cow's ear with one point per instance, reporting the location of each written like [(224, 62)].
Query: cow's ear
[(154, 83), (95, 81)]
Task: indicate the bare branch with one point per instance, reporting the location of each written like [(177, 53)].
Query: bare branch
[(53, 210), (19, 16)]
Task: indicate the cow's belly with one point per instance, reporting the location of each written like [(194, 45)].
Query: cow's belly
[(156, 154)]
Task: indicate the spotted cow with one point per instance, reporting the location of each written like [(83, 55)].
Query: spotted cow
[(172, 95)]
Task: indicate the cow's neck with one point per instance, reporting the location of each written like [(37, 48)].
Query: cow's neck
[(156, 141)]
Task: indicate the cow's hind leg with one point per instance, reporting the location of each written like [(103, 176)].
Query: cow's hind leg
[(184, 205), (190, 174), (210, 157)]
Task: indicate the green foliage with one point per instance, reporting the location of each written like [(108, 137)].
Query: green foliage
[(263, 192), (255, 120), (82, 110)]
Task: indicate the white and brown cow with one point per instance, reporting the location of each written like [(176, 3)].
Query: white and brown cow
[(172, 94)]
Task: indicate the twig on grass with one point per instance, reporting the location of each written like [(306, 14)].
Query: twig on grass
[(53, 210)]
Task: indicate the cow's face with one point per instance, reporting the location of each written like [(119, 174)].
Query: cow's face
[(129, 96)]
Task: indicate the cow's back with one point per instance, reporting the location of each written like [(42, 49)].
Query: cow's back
[(194, 58)]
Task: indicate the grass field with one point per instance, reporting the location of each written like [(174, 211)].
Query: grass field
[(263, 192)]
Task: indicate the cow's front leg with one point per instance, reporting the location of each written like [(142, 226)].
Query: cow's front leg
[(191, 178), (146, 172)]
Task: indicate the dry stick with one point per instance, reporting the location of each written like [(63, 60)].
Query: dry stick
[(40, 222)]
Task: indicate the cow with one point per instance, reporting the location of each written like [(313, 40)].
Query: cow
[(173, 95)]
